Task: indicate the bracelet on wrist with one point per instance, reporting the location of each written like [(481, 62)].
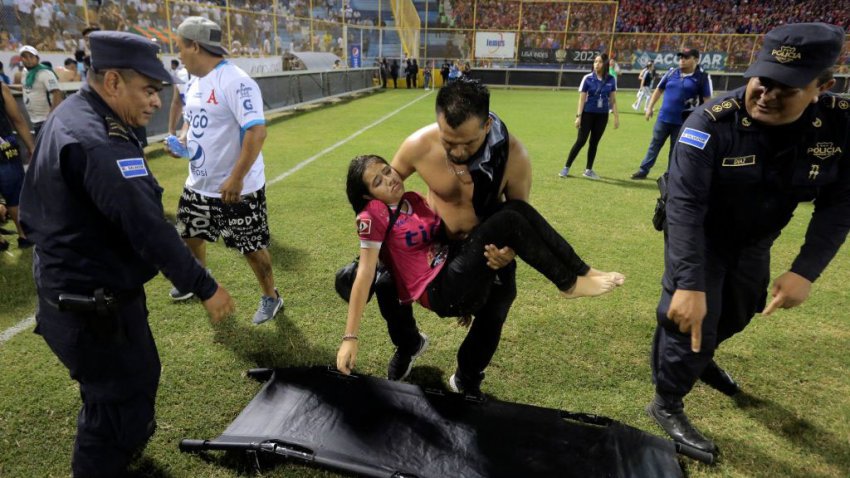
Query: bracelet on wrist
[(349, 337)]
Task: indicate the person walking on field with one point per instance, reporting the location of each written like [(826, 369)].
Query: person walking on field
[(224, 131)]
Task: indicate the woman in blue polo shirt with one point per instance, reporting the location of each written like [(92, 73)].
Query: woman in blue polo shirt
[(597, 98)]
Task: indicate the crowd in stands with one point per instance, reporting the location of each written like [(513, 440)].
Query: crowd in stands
[(587, 17), (55, 25), (735, 16), (498, 15), (545, 17), (52, 25), (538, 16)]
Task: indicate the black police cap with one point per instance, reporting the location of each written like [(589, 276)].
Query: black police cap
[(795, 54), (110, 49)]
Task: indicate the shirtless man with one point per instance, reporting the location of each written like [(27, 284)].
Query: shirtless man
[(471, 164)]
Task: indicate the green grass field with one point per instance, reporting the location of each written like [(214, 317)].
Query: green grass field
[(588, 355)]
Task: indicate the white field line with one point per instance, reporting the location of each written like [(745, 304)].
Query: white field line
[(26, 323), (344, 141), (16, 329)]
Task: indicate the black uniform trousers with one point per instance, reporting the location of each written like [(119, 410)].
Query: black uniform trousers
[(736, 281), (593, 125), (482, 340), (116, 362)]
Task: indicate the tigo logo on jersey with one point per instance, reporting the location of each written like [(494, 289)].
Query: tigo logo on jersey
[(132, 167), (364, 226), (695, 138)]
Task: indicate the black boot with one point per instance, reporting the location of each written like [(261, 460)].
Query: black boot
[(674, 421), (718, 379)]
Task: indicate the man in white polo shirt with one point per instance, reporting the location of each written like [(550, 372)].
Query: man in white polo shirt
[(224, 132)]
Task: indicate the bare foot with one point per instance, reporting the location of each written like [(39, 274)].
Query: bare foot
[(617, 277), (590, 286)]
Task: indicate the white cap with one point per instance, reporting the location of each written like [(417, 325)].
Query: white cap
[(28, 49)]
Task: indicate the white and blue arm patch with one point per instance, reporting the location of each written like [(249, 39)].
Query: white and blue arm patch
[(694, 137), (132, 167)]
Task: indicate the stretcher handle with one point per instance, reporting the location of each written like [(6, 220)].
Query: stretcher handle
[(188, 444), (695, 453)]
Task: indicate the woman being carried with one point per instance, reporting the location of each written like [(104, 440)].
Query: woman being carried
[(455, 280)]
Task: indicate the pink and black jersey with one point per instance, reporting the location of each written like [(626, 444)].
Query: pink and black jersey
[(411, 253)]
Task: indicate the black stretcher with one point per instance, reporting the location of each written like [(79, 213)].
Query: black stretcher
[(374, 427)]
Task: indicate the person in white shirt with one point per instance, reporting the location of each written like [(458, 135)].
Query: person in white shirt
[(224, 132), (24, 13), (40, 86)]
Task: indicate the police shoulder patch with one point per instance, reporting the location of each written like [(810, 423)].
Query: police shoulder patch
[(132, 167), (694, 137)]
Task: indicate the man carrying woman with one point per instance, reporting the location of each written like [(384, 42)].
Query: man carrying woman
[(451, 280)]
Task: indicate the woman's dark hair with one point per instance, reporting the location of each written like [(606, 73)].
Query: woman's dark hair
[(605, 65), (355, 187)]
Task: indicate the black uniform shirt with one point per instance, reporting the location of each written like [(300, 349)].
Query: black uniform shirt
[(94, 211), (734, 182)]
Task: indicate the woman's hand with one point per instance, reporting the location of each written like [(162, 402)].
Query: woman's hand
[(616, 121), (578, 122), (347, 356)]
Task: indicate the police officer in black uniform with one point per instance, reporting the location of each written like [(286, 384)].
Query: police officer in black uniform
[(741, 165), (93, 209)]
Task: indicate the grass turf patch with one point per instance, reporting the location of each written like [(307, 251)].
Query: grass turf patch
[(588, 355)]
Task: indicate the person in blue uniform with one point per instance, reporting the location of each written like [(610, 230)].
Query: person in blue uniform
[(684, 89), (598, 95), (14, 132), (93, 209), (741, 165)]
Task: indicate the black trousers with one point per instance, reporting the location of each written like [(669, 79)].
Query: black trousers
[(736, 289), (593, 125), (491, 293), (116, 362), (482, 340), (463, 285)]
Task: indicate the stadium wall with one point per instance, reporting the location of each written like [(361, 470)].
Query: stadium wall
[(281, 91)]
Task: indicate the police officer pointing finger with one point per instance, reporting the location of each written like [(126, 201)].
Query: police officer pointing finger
[(93, 209), (741, 165)]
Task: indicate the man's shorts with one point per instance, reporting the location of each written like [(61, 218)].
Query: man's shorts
[(244, 225), (11, 181)]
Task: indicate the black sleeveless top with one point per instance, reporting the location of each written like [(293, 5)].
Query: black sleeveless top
[(487, 168)]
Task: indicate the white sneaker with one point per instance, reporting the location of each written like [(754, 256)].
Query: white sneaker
[(589, 174)]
